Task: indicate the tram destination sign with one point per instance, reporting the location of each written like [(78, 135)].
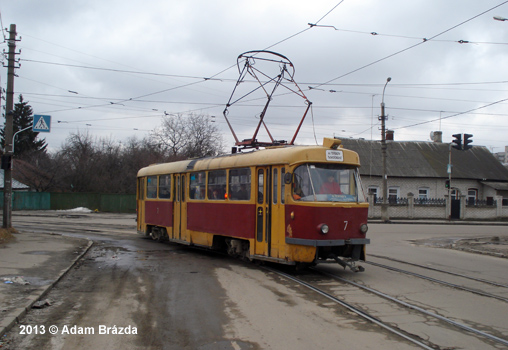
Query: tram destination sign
[(334, 155), (42, 123)]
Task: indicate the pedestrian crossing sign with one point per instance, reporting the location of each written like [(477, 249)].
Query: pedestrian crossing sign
[(42, 123)]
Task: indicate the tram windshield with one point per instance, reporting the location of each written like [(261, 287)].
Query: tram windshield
[(327, 183)]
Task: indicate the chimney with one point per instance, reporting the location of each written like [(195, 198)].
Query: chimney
[(389, 135), (436, 136)]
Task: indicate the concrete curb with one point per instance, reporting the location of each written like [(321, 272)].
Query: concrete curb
[(9, 321)]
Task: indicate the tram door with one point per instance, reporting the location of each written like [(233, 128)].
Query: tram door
[(263, 212), (179, 212), (140, 205)]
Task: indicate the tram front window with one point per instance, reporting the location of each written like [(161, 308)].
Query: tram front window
[(327, 183)]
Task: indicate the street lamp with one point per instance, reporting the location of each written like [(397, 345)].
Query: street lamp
[(384, 205), (499, 18)]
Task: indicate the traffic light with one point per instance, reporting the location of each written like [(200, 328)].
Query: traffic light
[(457, 141), (447, 184), (6, 162), (467, 141)]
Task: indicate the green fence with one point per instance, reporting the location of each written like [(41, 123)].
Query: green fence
[(28, 200), (116, 203)]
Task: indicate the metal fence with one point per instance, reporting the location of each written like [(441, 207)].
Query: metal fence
[(116, 203), (417, 201)]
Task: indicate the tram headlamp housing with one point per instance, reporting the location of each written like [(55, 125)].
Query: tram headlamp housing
[(364, 228), (323, 229)]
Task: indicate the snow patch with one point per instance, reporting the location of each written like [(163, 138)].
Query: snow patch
[(77, 210)]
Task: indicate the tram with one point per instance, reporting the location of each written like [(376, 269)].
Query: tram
[(294, 205)]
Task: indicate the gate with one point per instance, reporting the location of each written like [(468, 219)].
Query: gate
[(455, 214)]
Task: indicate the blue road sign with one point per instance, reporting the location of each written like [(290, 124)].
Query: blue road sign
[(42, 123)]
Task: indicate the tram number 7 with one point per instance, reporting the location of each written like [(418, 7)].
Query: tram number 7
[(345, 225)]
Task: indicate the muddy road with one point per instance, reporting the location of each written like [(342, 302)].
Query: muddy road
[(128, 293)]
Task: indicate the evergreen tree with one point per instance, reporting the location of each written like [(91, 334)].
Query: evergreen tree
[(26, 142)]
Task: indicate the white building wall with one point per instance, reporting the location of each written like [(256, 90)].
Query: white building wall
[(436, 187)]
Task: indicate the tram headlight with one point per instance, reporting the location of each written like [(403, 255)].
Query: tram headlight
[(364, 228), (323, 229)]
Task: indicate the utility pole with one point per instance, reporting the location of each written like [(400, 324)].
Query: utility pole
[(384, 205), (9, 107)]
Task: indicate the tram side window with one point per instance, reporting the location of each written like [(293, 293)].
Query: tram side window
[(275, 186), (141, 188), (282, 185), (261, 186), (151, 187), (197, 185), (165, 186), (217, 185), (239, 184)]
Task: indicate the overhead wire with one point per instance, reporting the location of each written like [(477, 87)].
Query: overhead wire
[(454, 115), (125, 71), (3, 28), (421, 39), (204, 78), (139, 98), (412, 46)]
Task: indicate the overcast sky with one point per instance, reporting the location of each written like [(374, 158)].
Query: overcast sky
[(114, 68)]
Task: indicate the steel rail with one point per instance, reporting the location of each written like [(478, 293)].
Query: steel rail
[(449, 284), (442, 271), (352, 309), (417, 308)]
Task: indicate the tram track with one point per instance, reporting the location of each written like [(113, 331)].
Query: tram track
[(72, 228), (448, 284), (355, 310), (422, 340), (476, 279), (419, 309)]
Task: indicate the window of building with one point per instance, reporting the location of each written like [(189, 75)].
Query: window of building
[(423, 193), (239, 184), (165, 186), (151, 187), (393, 194), (373, 190), (472, 196), (197, 185), (217, 184)]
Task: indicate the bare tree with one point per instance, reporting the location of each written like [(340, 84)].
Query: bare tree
[(78, 156), (188, 136), (137, 154), (171, 136), (39, 170), (89, 164), (103, 165), (204, 139)]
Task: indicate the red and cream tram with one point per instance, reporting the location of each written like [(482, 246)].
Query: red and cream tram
[(294, 205)]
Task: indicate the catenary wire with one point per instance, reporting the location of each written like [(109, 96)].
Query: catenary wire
[(412, 46)]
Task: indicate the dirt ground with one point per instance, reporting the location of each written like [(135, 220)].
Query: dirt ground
[(497, 246), (6, 235), (487, 245)]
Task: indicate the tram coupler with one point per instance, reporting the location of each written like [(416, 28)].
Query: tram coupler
[(351, 264)]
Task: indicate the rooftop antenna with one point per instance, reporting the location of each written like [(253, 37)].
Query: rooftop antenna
[(267, 84)]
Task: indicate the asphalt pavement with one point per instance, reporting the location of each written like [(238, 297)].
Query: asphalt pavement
[(30, 265)]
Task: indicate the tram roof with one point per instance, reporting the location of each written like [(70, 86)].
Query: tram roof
[(271, 156)]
